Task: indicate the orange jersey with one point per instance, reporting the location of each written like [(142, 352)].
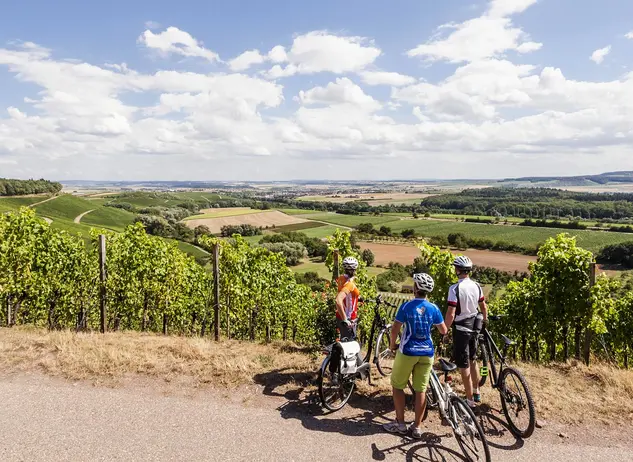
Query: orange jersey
[(348, 286)]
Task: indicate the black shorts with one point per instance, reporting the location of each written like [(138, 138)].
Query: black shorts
[(464, 348), (345, 331)]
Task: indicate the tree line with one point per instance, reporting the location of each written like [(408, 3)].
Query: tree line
[(10, 187)]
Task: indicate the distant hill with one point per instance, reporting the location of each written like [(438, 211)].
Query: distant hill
[(581, 180)]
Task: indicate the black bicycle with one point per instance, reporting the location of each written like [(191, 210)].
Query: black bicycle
[(516, 399), (336, 387)]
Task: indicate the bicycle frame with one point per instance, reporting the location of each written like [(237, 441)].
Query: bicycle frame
[(492, 349)]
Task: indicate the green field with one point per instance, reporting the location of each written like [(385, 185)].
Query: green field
[(320, 232), (350, 220), (298, 227), (109, 218), (64, 207), (297, 211), (321, 269), (191, 249), (224, 213), (520, 235), (7, 204)]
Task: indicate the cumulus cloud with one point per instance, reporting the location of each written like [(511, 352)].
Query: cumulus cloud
[(343, 91), (629, 35), (599, 55), (76, 115), (175, 41), (490, 35), (393, 79), (320, 51)]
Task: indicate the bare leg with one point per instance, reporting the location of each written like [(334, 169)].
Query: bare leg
[(420, 402), (468, 386), (474, 376), (399, 402)]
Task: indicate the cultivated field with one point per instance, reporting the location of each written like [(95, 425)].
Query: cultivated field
[(270, 219), (222, 212), (404, 254), (371, 199)]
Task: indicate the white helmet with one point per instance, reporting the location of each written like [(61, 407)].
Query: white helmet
[(350, 263), (423, 282), (463, 262)]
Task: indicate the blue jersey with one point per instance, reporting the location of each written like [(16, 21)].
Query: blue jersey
[(418, 317)]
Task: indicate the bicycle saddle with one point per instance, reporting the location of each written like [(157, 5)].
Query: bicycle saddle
[(507, 341), (447, 366)]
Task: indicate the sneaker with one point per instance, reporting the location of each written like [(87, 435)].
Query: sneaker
[(471, 403), (395, 427), (415, 432), (477, 397)]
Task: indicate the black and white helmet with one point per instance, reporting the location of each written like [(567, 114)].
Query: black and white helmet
[(423, 282), (463, 262), (350, 263)]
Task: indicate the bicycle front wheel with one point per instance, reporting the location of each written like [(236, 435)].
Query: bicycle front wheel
[(517, 403), (384, 356), (335, 389), (468, 432)]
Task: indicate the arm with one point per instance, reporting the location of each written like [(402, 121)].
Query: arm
[(442, 328), (450, 317), (340, 308), (484, 309), (395, 331)]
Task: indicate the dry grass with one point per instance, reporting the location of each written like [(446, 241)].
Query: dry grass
[(113, 357), (569, 393)]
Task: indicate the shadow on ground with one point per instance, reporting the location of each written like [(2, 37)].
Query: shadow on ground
[(496, 429), (364, 415)]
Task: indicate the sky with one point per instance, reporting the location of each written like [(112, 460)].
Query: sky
[(329, 89)]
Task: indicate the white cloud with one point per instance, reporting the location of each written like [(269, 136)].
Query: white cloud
[(175, 41), (343, 91), (386, 78), (246, 60), (489, 113), (320, 51), (490, 35), (599, 55), (629, 35)]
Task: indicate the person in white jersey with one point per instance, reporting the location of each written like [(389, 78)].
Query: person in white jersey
[(465, 301)]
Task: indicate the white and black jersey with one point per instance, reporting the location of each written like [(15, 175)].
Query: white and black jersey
[(465, 296)]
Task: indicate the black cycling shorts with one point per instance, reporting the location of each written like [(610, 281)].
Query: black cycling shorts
[(464, 348)]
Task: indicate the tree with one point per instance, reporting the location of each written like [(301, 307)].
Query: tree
[(294, 252), (368, 257), (366, 228), (408, 233), (201, 230), (385, 230)]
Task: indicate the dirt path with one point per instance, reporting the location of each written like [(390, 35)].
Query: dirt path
[(76, 421), (81, 215), (45, 200)]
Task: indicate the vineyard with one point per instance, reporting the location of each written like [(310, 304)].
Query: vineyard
[(51, 279)]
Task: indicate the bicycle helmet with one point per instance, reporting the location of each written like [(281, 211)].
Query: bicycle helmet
[(350, 263), (423, 282), (463, 262)]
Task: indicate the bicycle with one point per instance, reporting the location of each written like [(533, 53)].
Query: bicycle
[(512, 402), (335, 388), (457, 413)]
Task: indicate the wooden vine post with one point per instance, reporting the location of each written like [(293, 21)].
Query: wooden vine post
[(103, 277), (216, 291), (588, 331), (335, 269)]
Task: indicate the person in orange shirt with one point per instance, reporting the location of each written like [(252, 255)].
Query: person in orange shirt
[(347, 300)]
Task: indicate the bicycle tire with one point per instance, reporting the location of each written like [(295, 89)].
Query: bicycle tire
[(530, 403), (484, 363), (346, 394), (474, 426), (381, 364)]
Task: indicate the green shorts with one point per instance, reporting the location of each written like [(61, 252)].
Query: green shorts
[(404, 365)]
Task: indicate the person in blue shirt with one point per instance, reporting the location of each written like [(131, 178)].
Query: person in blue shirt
[(416, 352)]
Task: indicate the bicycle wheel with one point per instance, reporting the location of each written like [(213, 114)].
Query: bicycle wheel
[(517, 403), (430, 403), (384, 356), (468, 432), (484, 362), (334, 389)]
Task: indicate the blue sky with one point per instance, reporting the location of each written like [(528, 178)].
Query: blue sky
[(520, 95)]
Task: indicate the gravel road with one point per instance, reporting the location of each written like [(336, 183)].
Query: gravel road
[(43, 419)]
